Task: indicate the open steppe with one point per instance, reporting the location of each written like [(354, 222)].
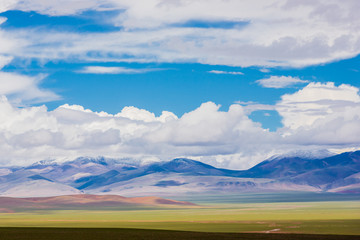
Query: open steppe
[(305, 217)]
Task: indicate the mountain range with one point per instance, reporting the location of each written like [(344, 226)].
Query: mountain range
[(336, 173)]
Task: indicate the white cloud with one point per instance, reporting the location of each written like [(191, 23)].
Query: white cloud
[(317, 101), (59, 7), (226, 72), (280, 81), (207, 126), (250, 106), (5, 60), (315, 117), (10, 42), (134, 113), (22, 89), (319, 115), (113, 70), (34, 133), (264, 70), (277, 33), (7, 5)]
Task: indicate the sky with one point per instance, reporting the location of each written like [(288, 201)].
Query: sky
[(230, 83)]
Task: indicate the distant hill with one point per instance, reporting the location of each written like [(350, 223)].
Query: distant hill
[(84, 201), (337, 173)]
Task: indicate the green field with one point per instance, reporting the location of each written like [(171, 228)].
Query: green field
[(334, 217)]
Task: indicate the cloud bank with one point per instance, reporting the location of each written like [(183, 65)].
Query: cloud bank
[(315, 117), (269, 33)]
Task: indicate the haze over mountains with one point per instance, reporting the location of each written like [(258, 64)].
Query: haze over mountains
[(338, 173)]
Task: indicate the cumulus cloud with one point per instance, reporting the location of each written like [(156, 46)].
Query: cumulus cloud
[(33, 133), (134, 113), (274, 33), (321, 115), (317, 101), (280, 81)]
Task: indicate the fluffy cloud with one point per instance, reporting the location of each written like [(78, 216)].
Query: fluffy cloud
[(280, 81), (315, 102), (33, 133), (269, 33), (134, 113), (322, 114), (315, 117)]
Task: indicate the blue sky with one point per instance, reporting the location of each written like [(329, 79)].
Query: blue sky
[(272, 60)]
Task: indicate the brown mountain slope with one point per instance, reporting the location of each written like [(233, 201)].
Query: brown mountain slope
[(84, 201)]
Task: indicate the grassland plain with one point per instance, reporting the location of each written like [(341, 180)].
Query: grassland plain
[(333, 217)]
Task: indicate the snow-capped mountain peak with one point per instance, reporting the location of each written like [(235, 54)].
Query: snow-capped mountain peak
[(305, 154)]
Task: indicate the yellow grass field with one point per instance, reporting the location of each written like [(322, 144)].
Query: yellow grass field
[(335, 217)]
